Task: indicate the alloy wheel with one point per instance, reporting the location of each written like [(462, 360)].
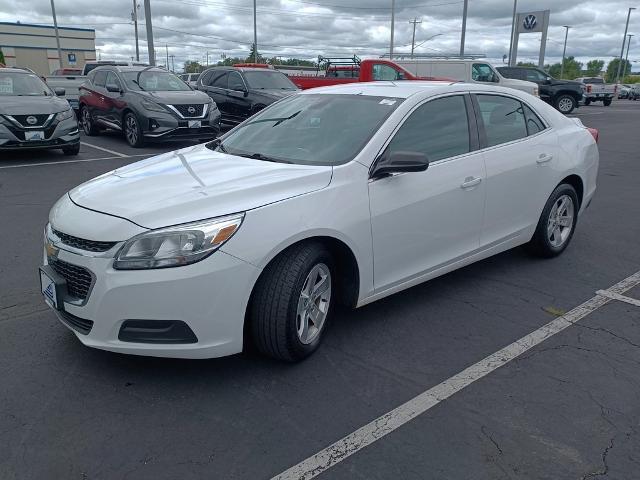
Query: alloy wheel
[(313, 304), (565, 105), (86, 121), (131, 130), (560, 222)]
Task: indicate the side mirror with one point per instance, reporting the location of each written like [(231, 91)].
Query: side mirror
[(547, 80), (60, 92), (113, 88), (400, 162), (238, 93)]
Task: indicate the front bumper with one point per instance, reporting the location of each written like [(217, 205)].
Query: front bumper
[(163, 127), (209, 296), (59, 135)]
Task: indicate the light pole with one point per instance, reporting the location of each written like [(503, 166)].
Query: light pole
[(513, 29), (626, 57), (147, 19), (134, 17), (55, 25), (564, 51), (464, 26), (415, 21), (624, 39), (393, 21), (255, 32)]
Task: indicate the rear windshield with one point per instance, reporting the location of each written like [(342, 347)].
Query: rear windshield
[(22, 84), (267, 80), (310, 129), (155, 81)]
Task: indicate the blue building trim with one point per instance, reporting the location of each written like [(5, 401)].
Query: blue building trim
[(46, 26)]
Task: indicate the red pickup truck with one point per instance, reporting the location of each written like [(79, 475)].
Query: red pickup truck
[(370, 70)]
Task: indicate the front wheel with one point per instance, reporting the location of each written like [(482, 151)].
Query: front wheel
[(292, 302), (132, 131), (587, 102), (90, 129), (606, 102), (72, 149), (556, 224), (565, 104)]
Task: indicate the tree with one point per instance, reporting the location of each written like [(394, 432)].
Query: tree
[(594, 67), (192, 67), (228, 61), (612, 69), (253, 57), (572, 69), (1, 57), (526, 64)]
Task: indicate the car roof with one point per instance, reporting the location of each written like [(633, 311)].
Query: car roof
[(126, 68), (242, 69), (15, 70)]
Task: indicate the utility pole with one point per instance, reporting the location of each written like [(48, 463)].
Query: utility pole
[(255, 32), (147, 19), (464, 26), (513, 30), (415, 21), (55, 25), (624, 40), (393, 21), (173, 64), (134, 17), (626, 58), (564, 51), (207, 64), (166, 47)]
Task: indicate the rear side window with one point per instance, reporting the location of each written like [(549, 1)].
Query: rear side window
[(534, 124), (112, 79), (100, 78), (503, 119), (439, 129)]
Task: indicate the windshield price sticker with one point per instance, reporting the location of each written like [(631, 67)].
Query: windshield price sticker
[(6, 85), (388, 101)]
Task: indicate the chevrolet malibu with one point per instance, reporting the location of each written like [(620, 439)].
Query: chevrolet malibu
[(344, 194)]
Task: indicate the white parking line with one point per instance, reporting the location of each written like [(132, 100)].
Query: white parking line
[(620, 298), (23, 165), (387, 423), (112, 152)]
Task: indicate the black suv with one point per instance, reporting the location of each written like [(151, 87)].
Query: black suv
[(241, 92), (146, 104), (564, 95)]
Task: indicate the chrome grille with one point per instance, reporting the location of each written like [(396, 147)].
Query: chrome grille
[(190, 111), (79, 279), (82, 244)]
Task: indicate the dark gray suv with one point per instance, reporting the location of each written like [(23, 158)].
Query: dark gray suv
[(33, 116), (146, 104)]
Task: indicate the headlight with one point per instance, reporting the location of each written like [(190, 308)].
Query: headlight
[(5, 121), (66, 115), (154, 107), (536, 92), (176, 246)]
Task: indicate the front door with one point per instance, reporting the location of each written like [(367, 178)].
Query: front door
[(426, 220)]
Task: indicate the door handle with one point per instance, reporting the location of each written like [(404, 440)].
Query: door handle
[(544, 158), (470, 182)]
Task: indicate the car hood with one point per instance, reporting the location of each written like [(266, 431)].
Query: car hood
[(177, 98), (521, 85), (32, 105), (193, 184), (556, 81)]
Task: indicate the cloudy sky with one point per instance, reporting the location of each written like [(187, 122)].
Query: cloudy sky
[(307, 28)]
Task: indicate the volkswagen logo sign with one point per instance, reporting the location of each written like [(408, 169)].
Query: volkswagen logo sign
[(31, 120), (191, 110), (529, 22)]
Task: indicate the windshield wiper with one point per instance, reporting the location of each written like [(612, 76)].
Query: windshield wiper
[(277, 120), (260, 156), (217, 145)]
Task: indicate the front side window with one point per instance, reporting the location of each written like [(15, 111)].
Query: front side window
[(383, 72), (22, 84), (482, 72), (503, 119), (112, 79), (310, 129), (535, 76), (439, 129), (100, 80), (154, 81), (219, 79), (268, 80), (235, 82)]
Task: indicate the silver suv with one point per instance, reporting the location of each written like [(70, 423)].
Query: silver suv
[(32, 115)]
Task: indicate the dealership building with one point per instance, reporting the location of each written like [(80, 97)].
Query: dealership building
[(34, 46)]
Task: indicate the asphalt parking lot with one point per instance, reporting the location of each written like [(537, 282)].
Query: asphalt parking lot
[(566, 408)]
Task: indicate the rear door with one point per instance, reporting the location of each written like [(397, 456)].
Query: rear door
[(215, 84), (95, 100), (520, 153), (113, 101), (423, 221)]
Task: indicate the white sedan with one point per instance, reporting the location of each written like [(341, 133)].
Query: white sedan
[(341, 194)]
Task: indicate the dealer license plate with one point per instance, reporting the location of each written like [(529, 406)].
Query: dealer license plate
[(195, 124), (33, 136), (48, 287)]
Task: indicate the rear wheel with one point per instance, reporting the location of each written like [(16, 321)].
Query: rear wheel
[(606, 102), (71, 149), (587, 102), (86, 121), (556, 224), (292, 302), (132, 131), (565, 104)]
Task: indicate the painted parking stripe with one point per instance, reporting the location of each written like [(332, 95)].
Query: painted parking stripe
[(620, 298), (390, 421), (82, 160), (112, 152)]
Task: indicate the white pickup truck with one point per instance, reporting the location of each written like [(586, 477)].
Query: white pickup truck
[(71, 83), (597, 90)]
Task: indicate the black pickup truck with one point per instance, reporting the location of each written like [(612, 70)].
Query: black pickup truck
[(564, 95)]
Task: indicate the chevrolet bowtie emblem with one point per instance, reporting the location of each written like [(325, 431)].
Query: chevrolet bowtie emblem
[(52, 251)]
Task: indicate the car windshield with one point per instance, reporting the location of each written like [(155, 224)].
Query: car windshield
[(155, 81), (22, 84), (267, 80), (310, 129)]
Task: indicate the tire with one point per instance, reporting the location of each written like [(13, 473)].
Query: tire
[(565, 104), (280, 303), (550, 238), (88, 127), (71, 149), (132, 130), (587, 102), (606, 102)]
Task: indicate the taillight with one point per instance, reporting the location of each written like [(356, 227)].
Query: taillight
[(588, 88), (595, 133)]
